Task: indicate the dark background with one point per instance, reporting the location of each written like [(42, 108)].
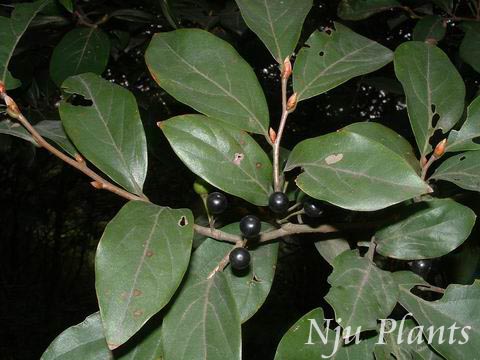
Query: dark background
[(51, 218)]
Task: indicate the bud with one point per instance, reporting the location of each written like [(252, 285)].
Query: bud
[(79, 158), (292, 102), (440, 149), (200, 186), (97, 185), (2, 87), (286, 68), (273, 135)]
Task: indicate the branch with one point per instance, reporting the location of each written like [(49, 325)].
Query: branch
[(78, 163)]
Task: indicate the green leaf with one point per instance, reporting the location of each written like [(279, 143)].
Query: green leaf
[(145, 345), (109, 132), (250, 287), (395, 344), (354, 172), (446, 5), (458, 307), (82, 341), (470, 46), (429, 27), (329, 249), (463, 170), (11, 30), (428, 229), (203, 322), (433, 88), (334, 58), (224, 156), (206, 73), (81, 50), (361, 293), (304, 342), (67, 4), (362, 9), (388, 138), (464, 139), (49, 129), (277, 23), (140, 261)]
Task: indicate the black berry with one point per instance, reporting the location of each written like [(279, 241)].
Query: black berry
[(216, 203), (250, 226), (278, 202), (313, 208), (239, 258)]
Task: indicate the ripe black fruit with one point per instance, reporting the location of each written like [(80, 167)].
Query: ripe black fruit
[(278, 202), (239, 258), (313, 208), (250, 226), (216, 203)]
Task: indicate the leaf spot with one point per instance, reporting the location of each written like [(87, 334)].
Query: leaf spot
[(334, 158), (137, 292), (149, 253), (137, 313), (258, 165), (183, 221), (238, 158)]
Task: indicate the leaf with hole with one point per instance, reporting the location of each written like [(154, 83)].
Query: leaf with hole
[(82, 50), (463, 170), (11, 30), (362, 9), (470, 46), (361, 293), (426, 230), (431, 27), (277, 23), (140, 261), (109, 132), (354, 172), (203, 321), (333, 57), (458, 307), (309, 339), (433, 87), (82, 341), (468, 137), (206, 73), (224, 156)]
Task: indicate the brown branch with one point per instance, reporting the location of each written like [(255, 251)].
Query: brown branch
[(78, 163)]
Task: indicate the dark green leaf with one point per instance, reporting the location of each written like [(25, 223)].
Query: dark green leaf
[(134, 15), (11, 30), (250, 287), (110, 132), (388, 138), (333, 58), (82, 341), (82, 50), (49, 129), (223, 155), (67, 4), (430, 27), (362, 9), (145, 345), (470, 46), (463, 170), (433, 88), (329, 249), (206, 73), (467, 137), (277, 23), (140, 261), (361, 293), (203, 322), (446, 5), (458, 307), (303, 342), (428, 229), (354, 172)]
